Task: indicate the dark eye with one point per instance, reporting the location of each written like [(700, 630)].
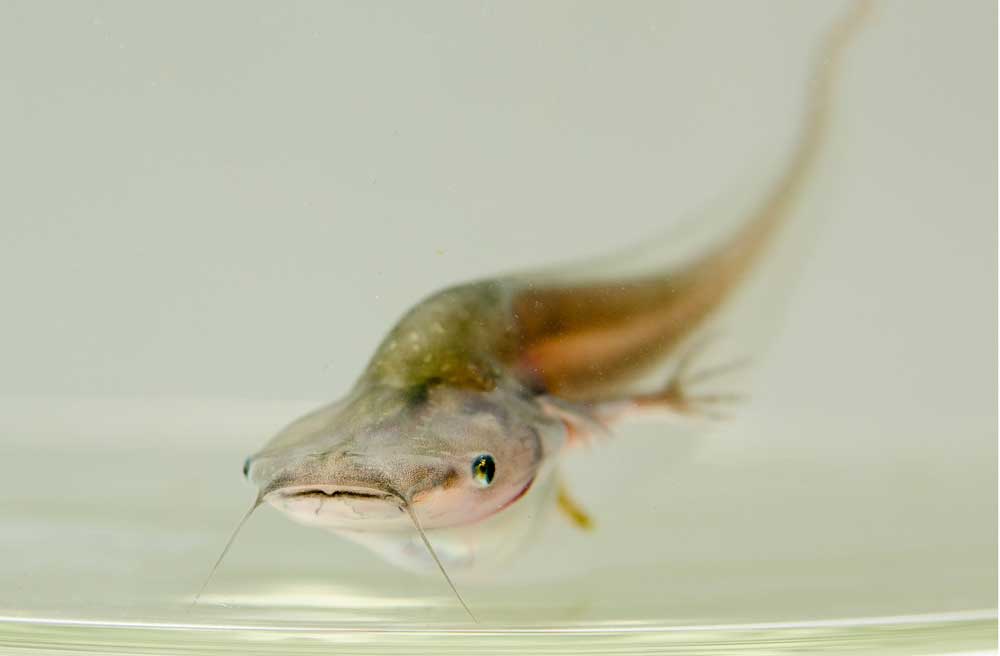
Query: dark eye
[(483, 469), (246, 467)]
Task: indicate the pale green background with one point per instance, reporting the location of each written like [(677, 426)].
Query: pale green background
[(211, 212)]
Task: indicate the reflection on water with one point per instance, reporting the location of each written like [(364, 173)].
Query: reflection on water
[(966, 633), (681, 562)]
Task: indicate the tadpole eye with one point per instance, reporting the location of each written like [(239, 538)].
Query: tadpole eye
[(246, 467), (483, 469)]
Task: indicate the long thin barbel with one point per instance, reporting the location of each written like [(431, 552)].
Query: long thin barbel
[(225, 550), (427, 543)]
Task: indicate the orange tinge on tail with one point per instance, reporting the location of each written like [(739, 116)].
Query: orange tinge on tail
[(577, 340)]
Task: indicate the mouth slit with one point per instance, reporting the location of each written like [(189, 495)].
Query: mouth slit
[(329, 494)]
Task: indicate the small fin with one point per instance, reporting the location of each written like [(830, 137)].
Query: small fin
[(677, 394), (581, 424), (572, 510)]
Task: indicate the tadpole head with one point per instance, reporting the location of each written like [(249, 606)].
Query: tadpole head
[(456, 457)]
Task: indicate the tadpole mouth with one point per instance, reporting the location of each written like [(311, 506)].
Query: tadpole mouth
[(334, 491)]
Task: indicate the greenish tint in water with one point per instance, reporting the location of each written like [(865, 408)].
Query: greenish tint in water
[(971, 634), (244, 210), (114, 511)]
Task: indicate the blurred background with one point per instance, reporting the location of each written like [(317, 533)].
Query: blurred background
[(212, 212)]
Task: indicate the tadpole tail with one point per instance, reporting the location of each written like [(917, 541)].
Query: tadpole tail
[(423, 536), (225, 550)]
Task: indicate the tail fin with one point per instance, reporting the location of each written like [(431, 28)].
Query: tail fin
[(579, 339)]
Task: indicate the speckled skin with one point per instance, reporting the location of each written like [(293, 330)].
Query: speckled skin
[(512, 367)]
